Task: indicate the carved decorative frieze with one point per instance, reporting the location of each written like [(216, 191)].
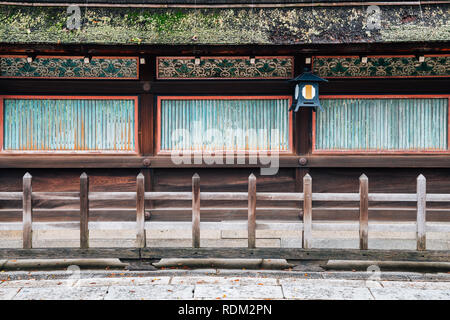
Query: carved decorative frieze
[(48, 67), (381, 67), (225, 68)]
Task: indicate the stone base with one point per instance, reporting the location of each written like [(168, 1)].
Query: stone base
[(274, 234)]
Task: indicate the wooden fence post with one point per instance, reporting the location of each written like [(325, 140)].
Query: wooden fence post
[(363, 212), (251, 224), (196, 211), (307, 211), (27, 212), (84, 211), (140, 211), (421, 212)]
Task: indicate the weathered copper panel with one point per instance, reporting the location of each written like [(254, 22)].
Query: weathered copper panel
[(386, 124), (215, 123), (58, 124)]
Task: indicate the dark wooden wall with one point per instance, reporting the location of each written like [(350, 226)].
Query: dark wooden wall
[(118, 173), (225, 179)]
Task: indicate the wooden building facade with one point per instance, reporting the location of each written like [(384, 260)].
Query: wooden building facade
[(107, 99)]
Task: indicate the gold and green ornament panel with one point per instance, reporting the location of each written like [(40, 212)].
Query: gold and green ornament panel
[(224, 68), (382, 66), (48, 67)]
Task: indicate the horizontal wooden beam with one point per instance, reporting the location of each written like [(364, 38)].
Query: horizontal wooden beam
[(219, 87), (116, 161), (233, 225), (267, 253), (29, 161), (379, 161), (244, 49), (95, 87), (234, 196), (76, 253), (297, 254), (69, 161)]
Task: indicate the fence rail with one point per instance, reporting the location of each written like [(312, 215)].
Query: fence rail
[(84, 196)]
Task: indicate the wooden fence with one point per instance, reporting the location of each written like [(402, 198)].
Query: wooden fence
[(306, 198)]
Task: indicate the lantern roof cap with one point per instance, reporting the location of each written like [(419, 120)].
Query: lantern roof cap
[(308, 76)]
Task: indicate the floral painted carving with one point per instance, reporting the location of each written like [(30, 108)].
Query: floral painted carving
[(225, 68), (69, 67), (382, 67)]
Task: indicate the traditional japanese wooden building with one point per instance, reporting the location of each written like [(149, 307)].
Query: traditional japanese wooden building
[(103, 87)]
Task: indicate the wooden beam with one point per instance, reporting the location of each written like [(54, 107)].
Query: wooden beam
[(229, 213), (218, 87), (303, 122), (146, 122), (237, 196), (95, 87), (296, 253), (140, 211), (364, 212), (164, 161), (11, 195), (96, 196), (299, 174), (231, 225), (60, 196), (70, 161), (421, 212), (252, 211), (378, 161), (84, 211), (148, 176), (389, 48), (67, 253), (307, 212), (196, 211), (261, 253), (27, 219)]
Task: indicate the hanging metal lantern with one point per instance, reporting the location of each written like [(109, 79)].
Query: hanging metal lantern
[(306, 91)]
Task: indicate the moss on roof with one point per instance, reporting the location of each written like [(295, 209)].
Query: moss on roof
[(22, 24)]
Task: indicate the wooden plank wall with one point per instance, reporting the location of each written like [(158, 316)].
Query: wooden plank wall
[(325, 180), (327, 177)]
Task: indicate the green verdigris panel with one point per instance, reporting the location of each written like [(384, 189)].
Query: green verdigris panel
[(225, 68), (382, 125), (69, 67), (225, 124), (69, 124), (382, 67)]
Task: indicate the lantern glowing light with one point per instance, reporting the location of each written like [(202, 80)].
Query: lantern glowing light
[(306, 91)]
